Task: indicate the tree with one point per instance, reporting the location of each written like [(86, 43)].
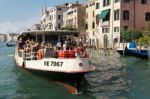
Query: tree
[(147, 33), (131, 34), (143, 40), (126, 35), (135, 34), (147, 30), (71, 28)]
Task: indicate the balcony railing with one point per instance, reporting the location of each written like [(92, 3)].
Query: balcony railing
[(105, 23)]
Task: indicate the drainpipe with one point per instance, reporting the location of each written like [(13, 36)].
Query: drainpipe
[(112, 23), (134, 13)]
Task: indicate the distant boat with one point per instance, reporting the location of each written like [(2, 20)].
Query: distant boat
[(10, 43), (133, 51)]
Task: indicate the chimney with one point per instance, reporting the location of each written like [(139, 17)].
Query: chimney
[(66, 4)]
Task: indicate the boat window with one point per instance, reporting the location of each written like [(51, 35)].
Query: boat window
[(51, 39), (20, 54), (39, 38)]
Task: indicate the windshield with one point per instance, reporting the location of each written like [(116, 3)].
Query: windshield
[(51, 39)]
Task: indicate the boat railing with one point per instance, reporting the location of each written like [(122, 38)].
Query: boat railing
[(20, 53), (30, 55), (51, 53), (70, 54)]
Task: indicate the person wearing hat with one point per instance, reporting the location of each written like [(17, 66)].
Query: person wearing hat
[(20, 43)]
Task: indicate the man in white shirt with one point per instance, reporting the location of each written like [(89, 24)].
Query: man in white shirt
[(58, 44), (65, 45)]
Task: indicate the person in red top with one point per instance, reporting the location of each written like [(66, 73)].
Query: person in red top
[(28, 52)]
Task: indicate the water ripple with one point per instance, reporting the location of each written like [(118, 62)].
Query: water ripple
[(116, 77), (108, 79)]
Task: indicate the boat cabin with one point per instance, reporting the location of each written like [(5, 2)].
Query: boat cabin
[(36, 45)]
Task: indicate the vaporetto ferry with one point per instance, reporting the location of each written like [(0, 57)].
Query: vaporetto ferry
[(65, 65)]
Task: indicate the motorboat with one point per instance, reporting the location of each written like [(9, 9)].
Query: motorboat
[(132, 50), (10, 43), (63, 65)]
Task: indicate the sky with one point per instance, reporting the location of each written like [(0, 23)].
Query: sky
[(19, 15)]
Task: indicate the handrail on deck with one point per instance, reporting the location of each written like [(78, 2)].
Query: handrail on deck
[(30, 55)]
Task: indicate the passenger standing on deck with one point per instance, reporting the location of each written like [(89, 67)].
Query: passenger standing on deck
[(28, 52), (20, 43), (58, 45), (32, 42), (34, 50), (27, 41), (69, 44), (65, 45), (49, 45), (41, 52)]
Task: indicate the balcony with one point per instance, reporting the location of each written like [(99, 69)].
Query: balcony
[(105, 23)]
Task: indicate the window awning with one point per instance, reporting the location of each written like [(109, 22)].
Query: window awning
[(104, 13)]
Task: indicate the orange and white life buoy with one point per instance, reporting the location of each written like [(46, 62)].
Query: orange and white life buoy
[(40, 54), (81, 51)]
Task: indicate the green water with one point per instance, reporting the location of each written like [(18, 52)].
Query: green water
[(116, 77)]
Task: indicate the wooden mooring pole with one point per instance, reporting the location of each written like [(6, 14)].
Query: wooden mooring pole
[(149, 48), (123, 48)]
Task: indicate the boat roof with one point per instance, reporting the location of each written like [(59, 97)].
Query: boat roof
[(58, 32)]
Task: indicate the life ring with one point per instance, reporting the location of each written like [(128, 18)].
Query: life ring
[(81, 51), (40, 54)]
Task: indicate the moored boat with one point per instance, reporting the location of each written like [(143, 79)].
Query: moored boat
[(67, 65), (131, 50), (138, 53)]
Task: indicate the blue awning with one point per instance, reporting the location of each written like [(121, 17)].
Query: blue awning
[(132, 44), (104, 13)]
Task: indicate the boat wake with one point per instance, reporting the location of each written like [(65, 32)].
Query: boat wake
[(9, 55)]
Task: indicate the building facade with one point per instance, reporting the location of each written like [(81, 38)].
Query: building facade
[(12, 37), (52, 18), (2, 37), (74, 18), (109, 23), (8, 37), (92, 22), (36, 27), (114, 17)]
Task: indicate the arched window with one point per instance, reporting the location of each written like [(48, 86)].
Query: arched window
[(93, 25), (105, 41), (115, 40), (93, 42), (93, 14)]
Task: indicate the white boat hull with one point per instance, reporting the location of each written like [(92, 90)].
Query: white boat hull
[(57, 65), (68, 71), (67, 65)]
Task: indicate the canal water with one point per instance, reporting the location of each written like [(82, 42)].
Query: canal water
[(116, 77)]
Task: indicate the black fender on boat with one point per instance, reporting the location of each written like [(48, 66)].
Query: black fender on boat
[(23, 64)]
